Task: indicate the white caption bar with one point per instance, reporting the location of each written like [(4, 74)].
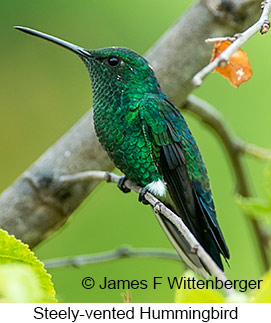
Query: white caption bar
[(145, 312)]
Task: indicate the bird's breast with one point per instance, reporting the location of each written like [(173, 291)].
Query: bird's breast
[(125, 144)]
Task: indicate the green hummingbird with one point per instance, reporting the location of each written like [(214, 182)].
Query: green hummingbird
[(148, 139)]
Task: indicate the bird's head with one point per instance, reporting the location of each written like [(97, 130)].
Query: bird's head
[(113, 66)]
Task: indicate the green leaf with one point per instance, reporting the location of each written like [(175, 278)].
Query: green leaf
[(263, 295), (19, 283), (197, 295), (13, 251)]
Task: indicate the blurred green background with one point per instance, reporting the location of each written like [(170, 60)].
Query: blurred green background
[(45, 90)]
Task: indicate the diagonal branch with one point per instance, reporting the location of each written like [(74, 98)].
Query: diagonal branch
[(261, 25), (235, 148), (159, 208)]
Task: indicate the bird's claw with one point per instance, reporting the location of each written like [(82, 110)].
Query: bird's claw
[(122, 186), (141, 197)]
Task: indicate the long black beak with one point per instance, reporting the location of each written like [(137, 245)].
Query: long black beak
[(74, 48)]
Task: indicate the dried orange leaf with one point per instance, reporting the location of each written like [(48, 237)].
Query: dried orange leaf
[(237, 70)]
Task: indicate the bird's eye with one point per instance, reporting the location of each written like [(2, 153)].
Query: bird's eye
[(113, 61)]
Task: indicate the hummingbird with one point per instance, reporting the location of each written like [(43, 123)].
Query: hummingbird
[(148, 139)]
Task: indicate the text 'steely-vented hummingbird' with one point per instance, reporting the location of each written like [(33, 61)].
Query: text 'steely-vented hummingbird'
[(149, 141)]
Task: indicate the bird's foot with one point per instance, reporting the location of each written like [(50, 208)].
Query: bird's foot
[(141, 197), (122, 186)]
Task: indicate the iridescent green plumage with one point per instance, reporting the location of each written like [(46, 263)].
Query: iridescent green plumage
[(122, 103), (149, 141)]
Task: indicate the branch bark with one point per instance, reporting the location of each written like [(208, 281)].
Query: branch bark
[(37, 203)]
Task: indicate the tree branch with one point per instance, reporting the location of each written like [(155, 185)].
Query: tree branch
[(261, 25), (235, 148), (253, 150), (37, 203), (158, 208), (122, 252)]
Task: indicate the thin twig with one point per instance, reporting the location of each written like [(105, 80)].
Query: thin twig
[(160, 208), (122, 252), (215, 39), (255, 151), (233, 143), (235, 147), (261, 25)]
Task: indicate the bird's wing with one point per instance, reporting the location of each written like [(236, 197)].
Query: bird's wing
[(181, 165)]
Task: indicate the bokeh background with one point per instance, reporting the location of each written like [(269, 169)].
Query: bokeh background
[(44, 90)]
